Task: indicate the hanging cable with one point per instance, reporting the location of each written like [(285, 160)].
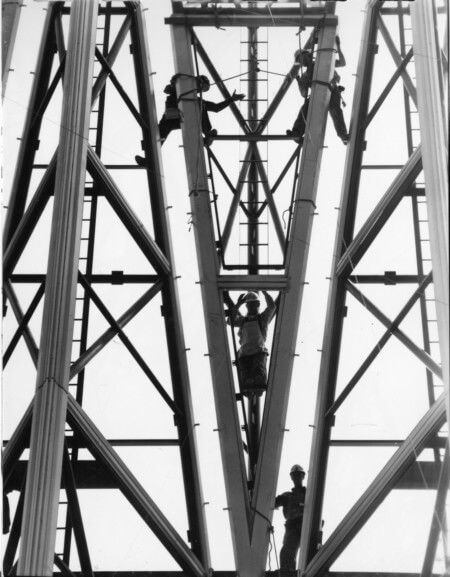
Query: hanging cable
[(271, 529)]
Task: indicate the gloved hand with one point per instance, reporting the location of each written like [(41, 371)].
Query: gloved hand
[(235, 96), (241, 299)]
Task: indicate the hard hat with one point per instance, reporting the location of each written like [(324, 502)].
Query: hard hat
[(297, 469), (203, 83), (251, 296)]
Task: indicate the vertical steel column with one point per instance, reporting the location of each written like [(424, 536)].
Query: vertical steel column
[(288, 317), (253, 404), (229, 429), (434, 135), (47, 433), (252, 188), (336, 300), (176, 346)]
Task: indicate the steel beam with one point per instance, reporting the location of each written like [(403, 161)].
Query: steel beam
[(47, 435), (253, 282), (133, 490), (387, 89), (374, 495), (425, 357), (75, 514), (218, 81), (176, 346), (23, 323), (379, 346), (336, 299), (396, 56), (432, 104), (218, 350), (286, 328), (438, 522), (10, 23), (129, 345), (380, 214), (126, 214), (99, 344), (25, 226), (27, 151), (111, 58), (228, 17)]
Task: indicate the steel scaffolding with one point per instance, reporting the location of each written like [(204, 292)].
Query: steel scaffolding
[(64, 299)]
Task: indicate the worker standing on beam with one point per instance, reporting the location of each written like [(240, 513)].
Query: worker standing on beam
[(305, 82), (293, 503), (172, 118), (252, 332)]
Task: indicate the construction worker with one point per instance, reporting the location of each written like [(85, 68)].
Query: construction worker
[(305, 82), (252, 332), (171, 119), (293, 503)]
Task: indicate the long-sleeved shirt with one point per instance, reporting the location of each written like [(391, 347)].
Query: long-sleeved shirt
[(293, 503), (253, 330)]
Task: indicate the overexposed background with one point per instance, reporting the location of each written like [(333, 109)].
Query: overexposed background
[(120, 402)]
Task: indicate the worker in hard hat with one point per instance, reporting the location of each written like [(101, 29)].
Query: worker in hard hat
[(171, 119), (305, 82), (252, 332), (293, 503), (208, 106)]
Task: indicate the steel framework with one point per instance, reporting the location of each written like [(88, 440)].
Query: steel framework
[(73, 189), (410, 33), (77, 191)]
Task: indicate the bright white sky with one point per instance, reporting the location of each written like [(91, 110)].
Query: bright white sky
[(121, 404)]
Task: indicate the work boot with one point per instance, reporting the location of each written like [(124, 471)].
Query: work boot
[(295, 135), (140, 160), (209, 136)]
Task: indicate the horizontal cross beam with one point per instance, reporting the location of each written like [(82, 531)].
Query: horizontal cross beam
[(290, 17)]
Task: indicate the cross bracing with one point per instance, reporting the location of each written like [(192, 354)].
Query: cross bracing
[(88, 308), (251, 477)]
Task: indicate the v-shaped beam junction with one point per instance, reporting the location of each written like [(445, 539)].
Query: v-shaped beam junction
[(250, 513)]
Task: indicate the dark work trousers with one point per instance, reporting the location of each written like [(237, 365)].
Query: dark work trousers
[(166, 126), (253, 372), (291, 544), (336, 113), (206, 123), (300, 122)]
